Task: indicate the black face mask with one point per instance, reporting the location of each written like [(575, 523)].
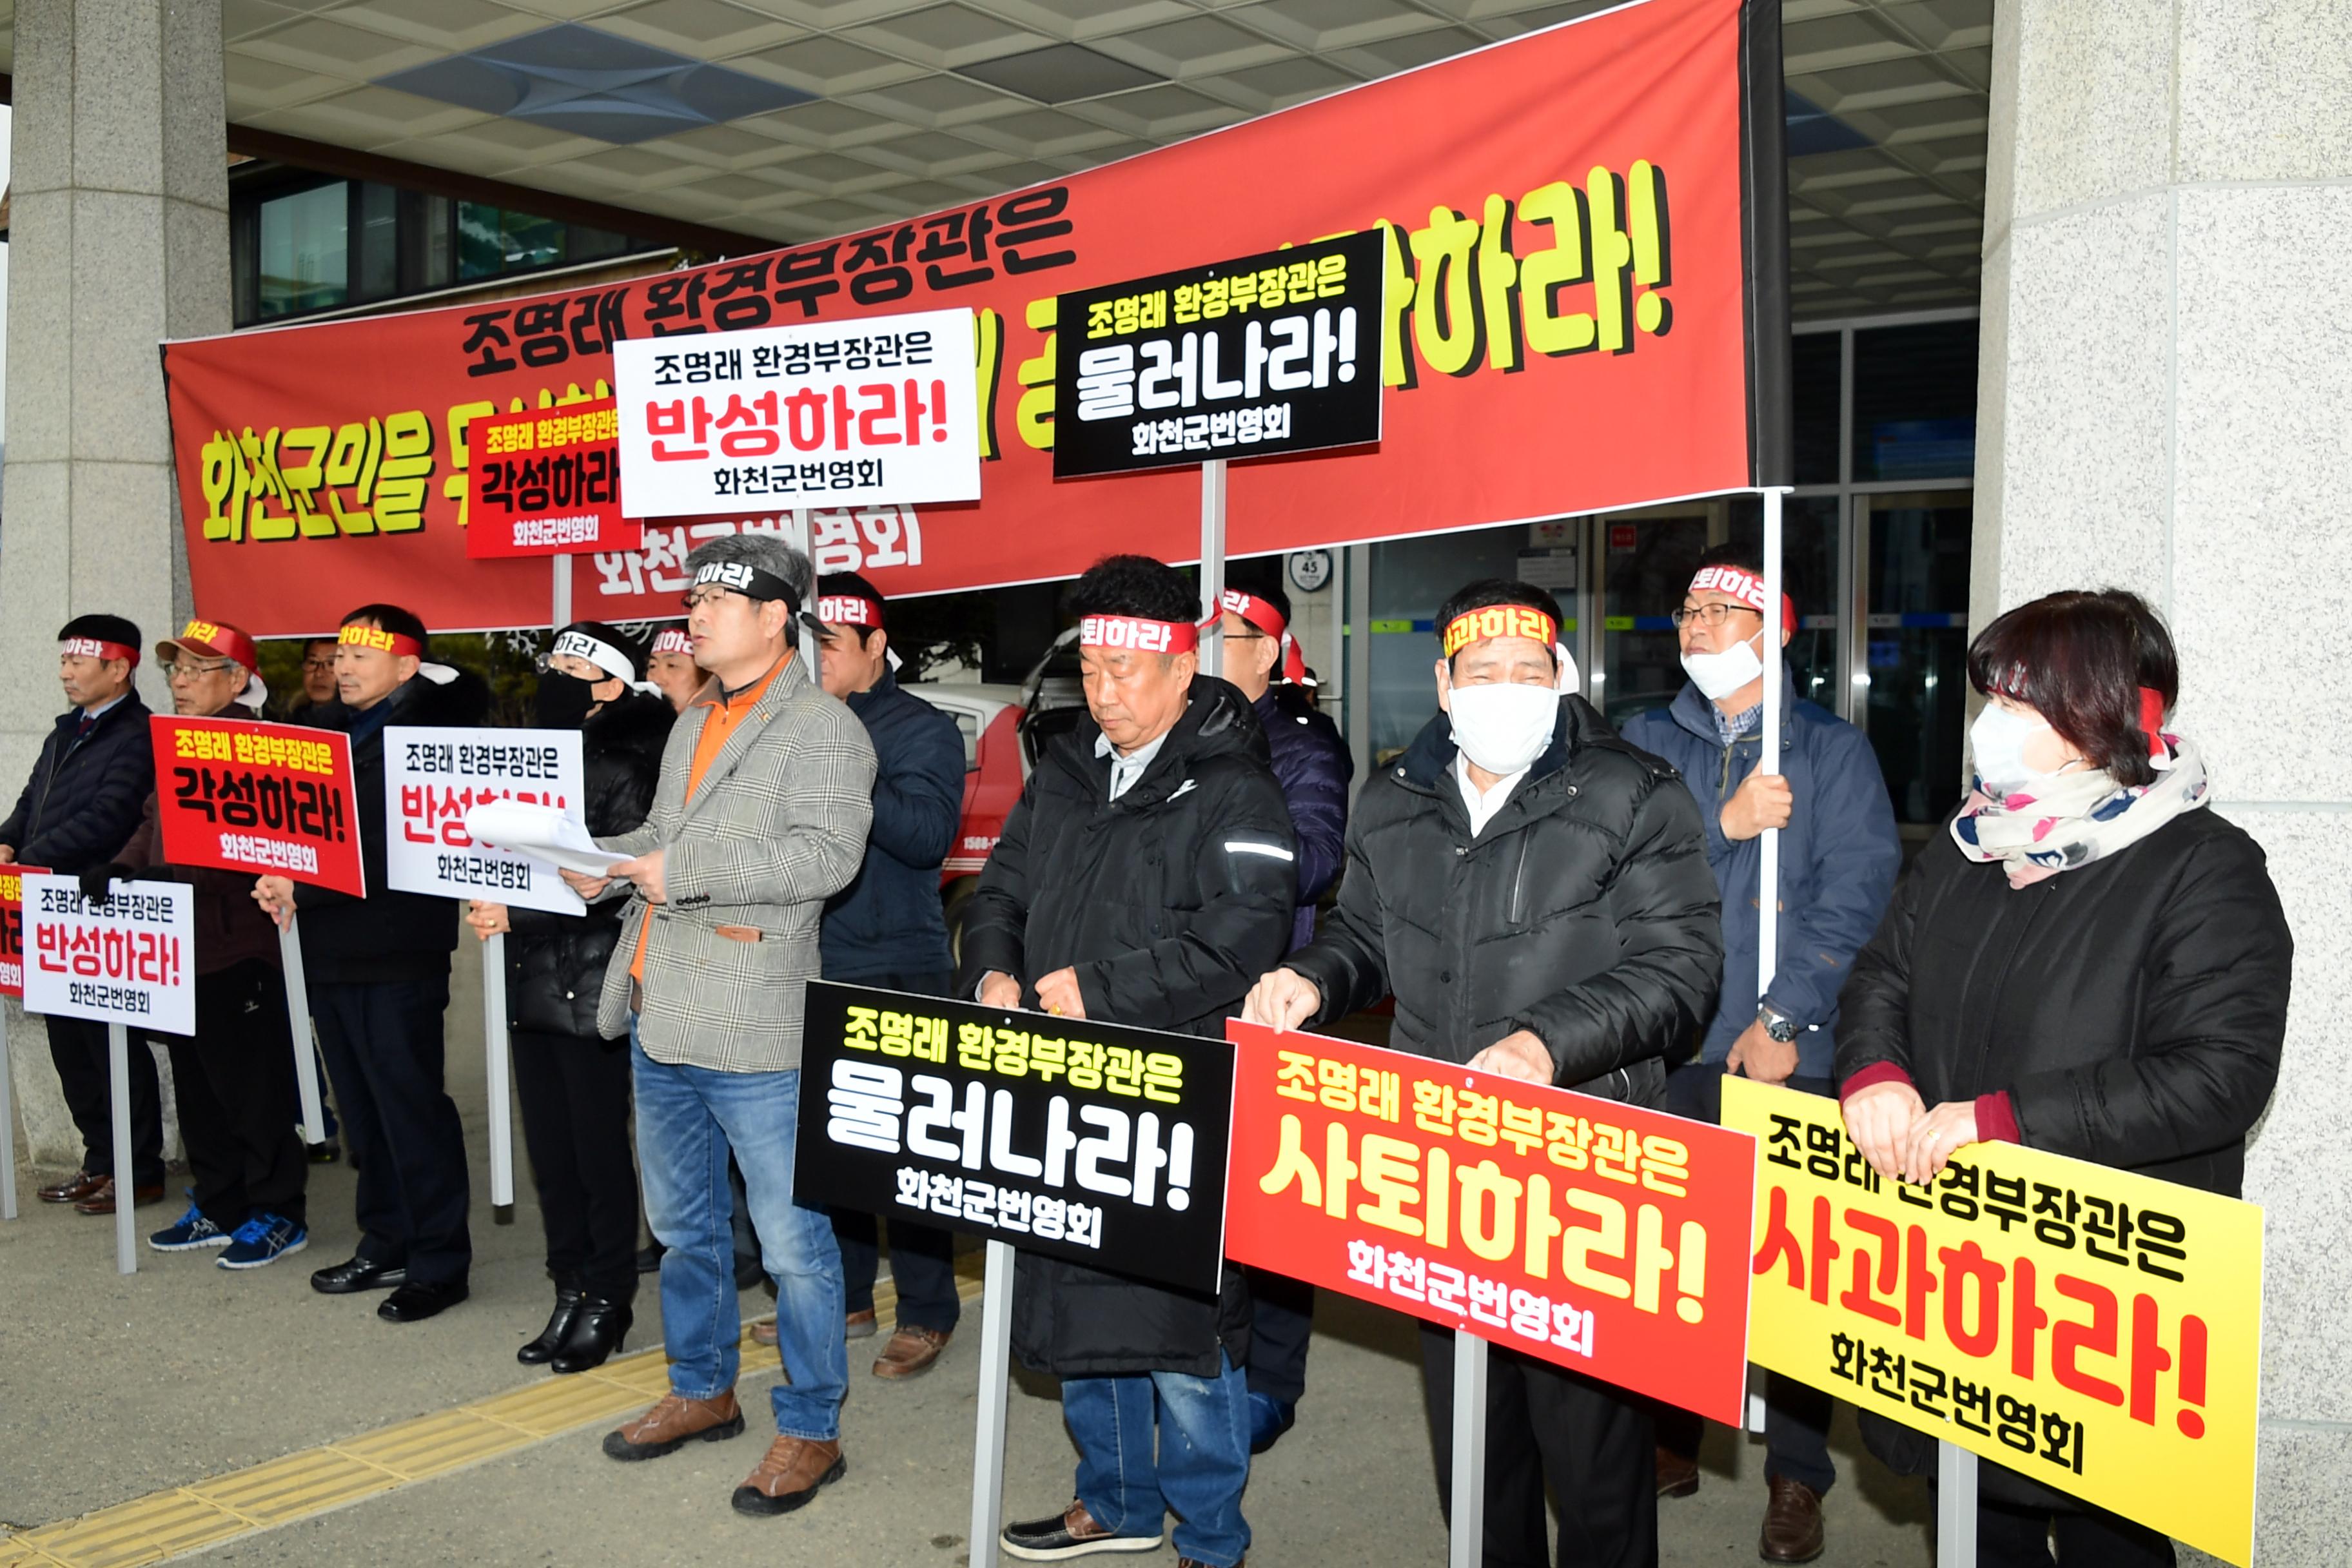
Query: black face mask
[(562, 700)]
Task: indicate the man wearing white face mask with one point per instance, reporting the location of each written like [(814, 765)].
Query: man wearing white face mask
[(1533, 892), (1839, 854)]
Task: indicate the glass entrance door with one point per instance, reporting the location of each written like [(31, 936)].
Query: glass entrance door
[(1915, 579)]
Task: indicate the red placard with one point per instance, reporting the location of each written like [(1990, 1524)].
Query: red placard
[(277, 800), (12, 927), (1607, 1239), (1583, 311), (547, 481)]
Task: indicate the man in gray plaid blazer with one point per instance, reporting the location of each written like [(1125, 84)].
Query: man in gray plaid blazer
[(766, 792)]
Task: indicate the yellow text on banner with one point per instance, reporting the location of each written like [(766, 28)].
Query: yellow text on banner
[(2097, 1332)]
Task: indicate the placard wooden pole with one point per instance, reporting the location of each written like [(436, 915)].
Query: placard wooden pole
[(560, 607), (7, 1131), (118, 1066), (803, 538), (1466, 1547), (1213, 561), (995, 1387), (298, 1025), (495, 1045), (1956, 1506)]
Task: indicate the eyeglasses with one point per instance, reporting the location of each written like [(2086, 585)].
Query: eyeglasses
[(175, 667), (708, 593), (1713, 614)]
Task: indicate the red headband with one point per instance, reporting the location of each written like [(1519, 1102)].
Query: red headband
[(1267, 619), (97, 648), (1136, 632), (393, 643), (1499, 621), (1745, 586), (670, 640), (848, 610)]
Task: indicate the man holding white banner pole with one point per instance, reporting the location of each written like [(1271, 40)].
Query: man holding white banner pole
[(379, 983)]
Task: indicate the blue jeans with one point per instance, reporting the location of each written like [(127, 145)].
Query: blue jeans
[(688, 1119), (1204, 1456)]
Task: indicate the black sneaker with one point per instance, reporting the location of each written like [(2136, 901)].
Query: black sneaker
[(1073, 1533)]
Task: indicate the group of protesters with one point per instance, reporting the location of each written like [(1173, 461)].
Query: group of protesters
[(2087, 960)]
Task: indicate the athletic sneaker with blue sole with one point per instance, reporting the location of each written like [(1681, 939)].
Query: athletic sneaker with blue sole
[(191, 1232), (263, 1240)]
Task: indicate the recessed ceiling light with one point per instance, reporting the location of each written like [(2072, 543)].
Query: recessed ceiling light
[(1059, 73)]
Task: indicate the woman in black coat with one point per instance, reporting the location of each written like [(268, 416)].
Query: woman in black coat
[(573, 1085), (2096, 964)]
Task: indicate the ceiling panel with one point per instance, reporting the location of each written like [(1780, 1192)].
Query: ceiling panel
[(925, 102)]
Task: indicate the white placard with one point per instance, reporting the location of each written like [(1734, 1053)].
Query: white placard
[(432, 777), (129, 960), (832, 414)]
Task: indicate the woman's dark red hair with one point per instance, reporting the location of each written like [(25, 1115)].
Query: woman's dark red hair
[(2081, 660)]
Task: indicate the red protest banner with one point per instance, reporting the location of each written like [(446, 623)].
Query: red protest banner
[(1582, 310), (12, 927), (1605, 1238), (232, 795), (548, 482)]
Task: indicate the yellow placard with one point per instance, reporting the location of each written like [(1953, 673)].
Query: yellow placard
[(2095, 1331)]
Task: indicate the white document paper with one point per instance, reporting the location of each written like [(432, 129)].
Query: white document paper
[(542, 833)]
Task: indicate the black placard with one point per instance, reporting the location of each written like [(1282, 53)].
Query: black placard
[(1091, 1141), (1247, 358)]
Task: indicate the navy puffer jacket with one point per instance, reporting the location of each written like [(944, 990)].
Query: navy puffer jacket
[(888, 921)]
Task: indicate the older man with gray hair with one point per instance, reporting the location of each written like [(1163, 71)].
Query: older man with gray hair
[(766, 791)]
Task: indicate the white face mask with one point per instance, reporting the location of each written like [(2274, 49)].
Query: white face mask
[(1718, 675), (1997, 740), (1503, 727)]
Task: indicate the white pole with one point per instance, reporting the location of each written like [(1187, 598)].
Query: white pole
[(298, 1025), (1466, 1544), (7, 1131), (1768, 894), (995, 1382), (803, 537), (1956, 1506), (118, 1063), (560, 608), (494, 1041), (1212, 562)]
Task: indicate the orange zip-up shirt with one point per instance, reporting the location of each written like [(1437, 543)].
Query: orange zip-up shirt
[(718, 722)]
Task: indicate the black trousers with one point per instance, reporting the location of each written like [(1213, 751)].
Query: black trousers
[(2017, 1538), (1596, 1446), (382, 1040), (922, 1256), (234, 1080), (574, 1093), (78, 1047), (1796, 1414), (1281, 1319)]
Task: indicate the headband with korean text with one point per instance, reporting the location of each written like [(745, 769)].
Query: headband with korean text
[(1138, 634), (1499, 621), (376, 637), (97, 648)]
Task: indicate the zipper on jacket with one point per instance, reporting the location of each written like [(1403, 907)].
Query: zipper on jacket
[(1519, 881)]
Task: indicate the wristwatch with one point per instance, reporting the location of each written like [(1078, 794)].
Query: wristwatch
[(1776, 1025)]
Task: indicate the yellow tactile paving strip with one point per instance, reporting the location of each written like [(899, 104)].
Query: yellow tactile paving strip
[(167, 1523)]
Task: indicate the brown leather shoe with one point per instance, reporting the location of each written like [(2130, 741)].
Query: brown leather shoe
[(73, 1189), (102, 1200), (1792, 1522), (859, 1325), (672, 1423), (765, 1332), (911, 1353), (790, 1475), (1677, 1475)]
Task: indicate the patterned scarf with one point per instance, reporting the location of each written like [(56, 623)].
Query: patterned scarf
[(2079, 817)]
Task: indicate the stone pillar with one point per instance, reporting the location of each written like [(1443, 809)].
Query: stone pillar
[(2166, 394), (118, 239)]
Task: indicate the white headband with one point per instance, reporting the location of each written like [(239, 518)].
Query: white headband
[(600, 654)]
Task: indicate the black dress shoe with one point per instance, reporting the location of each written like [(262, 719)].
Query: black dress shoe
[(559, 1328), (649, 1258), (419, 1299), (596, 1333), (354, 1274)]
